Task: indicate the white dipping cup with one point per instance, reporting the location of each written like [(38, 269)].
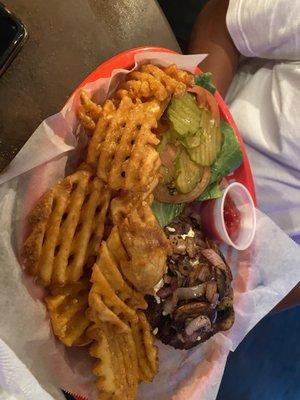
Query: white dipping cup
[(212, 217)]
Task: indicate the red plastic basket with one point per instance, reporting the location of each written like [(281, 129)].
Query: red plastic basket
[(126, 60)]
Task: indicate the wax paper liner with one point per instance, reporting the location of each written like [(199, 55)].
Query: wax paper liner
[(33, 365)]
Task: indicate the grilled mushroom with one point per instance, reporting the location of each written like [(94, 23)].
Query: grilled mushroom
[(199, 323), (191, 310)]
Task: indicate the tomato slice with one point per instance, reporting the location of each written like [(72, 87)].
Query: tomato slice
[(207, 100)]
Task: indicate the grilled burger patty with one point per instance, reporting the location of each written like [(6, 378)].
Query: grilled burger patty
[(194, 299)]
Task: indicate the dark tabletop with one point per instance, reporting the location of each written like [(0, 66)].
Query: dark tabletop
[(67, 40)]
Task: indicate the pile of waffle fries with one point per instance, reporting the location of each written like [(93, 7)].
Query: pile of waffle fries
[(94, 242)]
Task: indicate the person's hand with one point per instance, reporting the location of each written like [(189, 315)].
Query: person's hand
[(210, 35)]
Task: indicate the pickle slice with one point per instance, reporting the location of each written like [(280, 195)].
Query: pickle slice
[(193, 140), (195, 128), (184, 114), (210, 142), (188, 173)]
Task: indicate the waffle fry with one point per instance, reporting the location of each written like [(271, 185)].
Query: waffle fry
[(117, 368), (147, 248), (111, 332), (110, 294), (99, 313), (124, 204), (116, 247), (67, 228), (67, 306), (89, 112), (111, 298), (124, 358), (105, 303), (122, 147), (179, 75), (108, 264), (151, 81), (147, 352)]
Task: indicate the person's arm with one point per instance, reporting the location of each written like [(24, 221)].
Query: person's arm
[(210, 35)]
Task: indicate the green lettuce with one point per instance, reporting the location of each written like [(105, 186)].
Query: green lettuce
[(230, 157), (165, 213), (205, 80), (213, 191)]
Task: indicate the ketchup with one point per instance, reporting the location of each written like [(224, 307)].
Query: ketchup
[(232, 217)]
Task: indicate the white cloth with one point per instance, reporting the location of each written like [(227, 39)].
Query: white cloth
[(265, 28), (264, 100)]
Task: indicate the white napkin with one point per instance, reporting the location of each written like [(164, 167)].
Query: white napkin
[(33, 365)]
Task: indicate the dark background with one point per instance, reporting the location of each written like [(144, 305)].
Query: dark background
[(181, 15)]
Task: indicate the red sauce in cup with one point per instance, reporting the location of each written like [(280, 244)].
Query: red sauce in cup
[(232, 217)]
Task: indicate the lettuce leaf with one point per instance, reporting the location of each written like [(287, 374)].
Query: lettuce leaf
[(205, 80), (165, 213), (213, 191), (230, 157)]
